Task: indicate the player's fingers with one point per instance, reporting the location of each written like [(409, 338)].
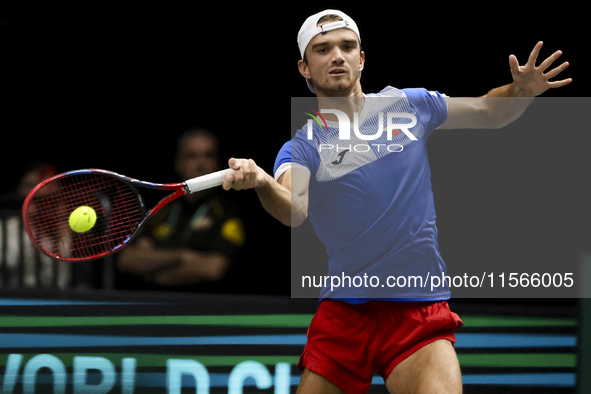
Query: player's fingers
[(548, 62), (234, 163), (245, 170), (533, 57), (244, 177), (556, 71), (514, 64), (238, 174), (559, 84), (228, 181)]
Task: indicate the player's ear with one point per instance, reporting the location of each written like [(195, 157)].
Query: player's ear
[(304, 70), (361, 60)]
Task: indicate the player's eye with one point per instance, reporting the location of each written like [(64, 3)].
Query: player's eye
[(348, 47)]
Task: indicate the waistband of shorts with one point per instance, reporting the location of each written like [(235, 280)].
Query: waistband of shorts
[(382, 305)]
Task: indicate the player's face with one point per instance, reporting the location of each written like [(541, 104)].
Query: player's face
[(197, 156), (335, 61)]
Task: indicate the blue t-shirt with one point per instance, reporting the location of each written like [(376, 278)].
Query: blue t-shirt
[(372, 206)]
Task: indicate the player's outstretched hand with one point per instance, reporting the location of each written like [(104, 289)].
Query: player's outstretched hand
[(533, 80), (247, 175)]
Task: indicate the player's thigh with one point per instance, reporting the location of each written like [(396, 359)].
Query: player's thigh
[(433, 369), (313, 383)]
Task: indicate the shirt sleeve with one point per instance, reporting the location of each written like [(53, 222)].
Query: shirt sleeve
[(295, 153), (432, 107), (283, 160)]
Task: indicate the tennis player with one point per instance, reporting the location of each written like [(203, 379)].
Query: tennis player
[(408, 336)]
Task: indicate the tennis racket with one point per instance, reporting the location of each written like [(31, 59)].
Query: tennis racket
[(120, 210)]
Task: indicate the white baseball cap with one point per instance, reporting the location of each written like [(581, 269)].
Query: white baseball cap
[(309, 30)]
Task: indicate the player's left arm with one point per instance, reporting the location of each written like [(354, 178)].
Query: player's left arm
[(492, 110)]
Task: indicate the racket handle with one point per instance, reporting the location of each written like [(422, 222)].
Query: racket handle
[(207, 181)]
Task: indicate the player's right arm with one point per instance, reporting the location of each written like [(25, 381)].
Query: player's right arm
[(286, 199)]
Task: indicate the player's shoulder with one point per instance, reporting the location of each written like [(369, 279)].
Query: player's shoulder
[(390, 91), (286, 147), (298, 141)]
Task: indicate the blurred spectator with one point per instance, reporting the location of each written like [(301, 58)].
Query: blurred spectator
[(193, 242), (21, 265), (34, 174)]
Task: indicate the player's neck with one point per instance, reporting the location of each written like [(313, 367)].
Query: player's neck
[(353, 91), (348, 103)]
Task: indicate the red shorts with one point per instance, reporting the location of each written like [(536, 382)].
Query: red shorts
[(348, 344)]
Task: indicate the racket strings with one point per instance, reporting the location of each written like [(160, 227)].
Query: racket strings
[(117, 206)]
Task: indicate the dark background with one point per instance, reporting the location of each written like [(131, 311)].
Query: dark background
[(112, 88)]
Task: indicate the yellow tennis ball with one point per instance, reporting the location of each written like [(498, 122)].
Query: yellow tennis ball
[(82, 219)]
